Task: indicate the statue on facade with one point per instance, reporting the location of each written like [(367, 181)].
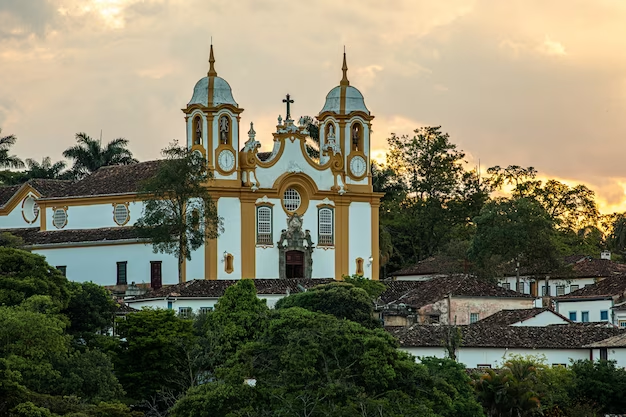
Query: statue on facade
[(198, 140), (224, 129)]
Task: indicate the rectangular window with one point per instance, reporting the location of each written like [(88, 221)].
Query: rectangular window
[(205, 310), (184, 312), (573, 316), (604, 354), (622, 323), (264, 225), (121, 273), (573, 288), (559, 365), (560, 290), (506, 285), (473, 317), (543, 290), (325, 222), (604, 315), (63, 270), (584, 316), (483, 366), (520, 287), (434, 319)]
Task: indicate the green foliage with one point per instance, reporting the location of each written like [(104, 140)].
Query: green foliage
[(373, 288), (514, 229), (89, 155), (29, 409), (599, 382), (90, 310), (46, 169), (6, 160), (217, 400), (7, 240), (23, 274), (342, 300), (179, 214), (150, 343)]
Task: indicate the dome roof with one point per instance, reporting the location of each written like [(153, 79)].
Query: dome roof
[(354, 101), (222, 93)]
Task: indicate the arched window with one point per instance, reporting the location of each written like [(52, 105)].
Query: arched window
[(197, 130), (264, 225), (228, 263), (224, 127), (357, 137), (359, 266), (325, 223)]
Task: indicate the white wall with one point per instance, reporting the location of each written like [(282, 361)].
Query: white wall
[(93, 216), (360, 239), (229, 208), (542, 319), (592, 306), (472, 357), (98, 264), (552, 283), (194, 303), (15, 220)]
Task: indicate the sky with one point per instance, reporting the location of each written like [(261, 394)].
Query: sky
[(537, 83)]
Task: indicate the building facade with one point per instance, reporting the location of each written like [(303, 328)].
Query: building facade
[(285, 213)]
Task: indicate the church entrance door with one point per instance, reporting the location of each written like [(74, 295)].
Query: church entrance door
[(295, 264)]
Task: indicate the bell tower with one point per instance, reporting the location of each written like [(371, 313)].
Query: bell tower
[(212, 117)]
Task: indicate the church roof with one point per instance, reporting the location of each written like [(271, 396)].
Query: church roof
[(32, 236), (222, 93), (351, 98), (45, 187)]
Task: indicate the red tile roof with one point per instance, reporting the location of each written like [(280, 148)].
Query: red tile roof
[(612, 287), (508, 317)]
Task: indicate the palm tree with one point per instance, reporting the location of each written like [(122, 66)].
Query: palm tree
[(46, 169), (89, 155), (6, 160)]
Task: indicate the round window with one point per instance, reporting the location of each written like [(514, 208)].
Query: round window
[(120, 214), (291, 199), (30, 209), (59, 219)]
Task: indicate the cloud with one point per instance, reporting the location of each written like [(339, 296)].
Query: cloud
[(19, 18), (550, 47)]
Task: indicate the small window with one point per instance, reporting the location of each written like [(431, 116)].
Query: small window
[(184, 312), (559, 365), (291, 199), (483, 366), (357, 137), (59, 218), (560, 290), (604, 354), (121, 273), (205, 310), (543, 290), (121, 214), (604, 315), (326, 229), (264, 225), (228, 263), (506, 285), (622, 323), (63, 270), (573, 288), (30, 209), (359, 266), (434, 318), (584, 317), (520, 287), (197, 130), (573, 315), (473, 318)]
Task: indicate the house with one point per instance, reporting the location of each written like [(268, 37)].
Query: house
[(197, 296), (433, 267), (285, 214), (524, 317), (594, 303), (612, 348), (488, 346), (458, 299)]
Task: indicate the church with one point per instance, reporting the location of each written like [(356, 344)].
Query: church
[(285, 213)]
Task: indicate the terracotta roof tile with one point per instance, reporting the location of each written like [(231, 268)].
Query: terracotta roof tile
[(508, 317), (612, 287), (434, 265), (420, 293), (51, 188), (32, 235), (547, 337), (215, 288)]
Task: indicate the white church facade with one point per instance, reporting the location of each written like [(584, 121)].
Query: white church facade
[(285, 214)]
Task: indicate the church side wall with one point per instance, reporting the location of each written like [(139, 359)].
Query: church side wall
[(98, 263), (229, 208), (360, 237), (93, 216), (15, 220)]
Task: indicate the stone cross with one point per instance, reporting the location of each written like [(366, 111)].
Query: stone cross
[(288, 101)]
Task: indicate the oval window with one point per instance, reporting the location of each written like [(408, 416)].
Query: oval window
[(121, 214), (59, 219), (291, 199), (30, 209)]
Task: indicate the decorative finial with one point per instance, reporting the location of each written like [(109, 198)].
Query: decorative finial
[(251, 132), (288, 100), (280, 120), (212, 72), (344, 68)]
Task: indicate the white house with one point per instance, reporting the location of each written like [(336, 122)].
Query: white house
[(525, 317), (285, 214), (489, 346)]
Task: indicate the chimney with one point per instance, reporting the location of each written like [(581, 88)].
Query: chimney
[(605, 254)]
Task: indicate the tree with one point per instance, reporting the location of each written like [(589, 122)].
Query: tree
[(600, 382), (342, 300), (179, 214), (313, 127), (89, 155), (517, 230), (8, 240), (23, 274), (151, 341), (6, 160), (45, 169), (91, 310)]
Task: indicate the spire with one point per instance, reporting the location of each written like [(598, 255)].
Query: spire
[(212, 72), (344, 68)]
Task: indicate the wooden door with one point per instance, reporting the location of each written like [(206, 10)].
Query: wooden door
[(295, 264), (156, 280)]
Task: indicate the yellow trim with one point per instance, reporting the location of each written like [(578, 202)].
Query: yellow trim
[(342, 248), (23, 216), (210, 253), (301, 183), (209, 139), (219, 169), (350, 157), (42, 222), (92, 200), (276, 158), (17, 198), (228, 263), (375, 241), (127, 213), (54, 209), (248, 234), (323, 116), (199, 148)]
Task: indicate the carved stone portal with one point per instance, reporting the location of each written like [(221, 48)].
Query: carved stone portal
[(295, 250)]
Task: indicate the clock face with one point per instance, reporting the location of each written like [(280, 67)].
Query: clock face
[(358, 166), (226, 160)]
